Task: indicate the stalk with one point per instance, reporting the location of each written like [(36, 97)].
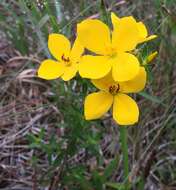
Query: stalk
[(124, 147)]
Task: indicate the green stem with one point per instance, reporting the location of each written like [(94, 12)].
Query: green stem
[(124, 147)]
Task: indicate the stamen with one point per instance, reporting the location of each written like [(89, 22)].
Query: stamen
[(114, 89), (65, 59)]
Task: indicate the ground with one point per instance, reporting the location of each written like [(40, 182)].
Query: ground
[(45, 142)]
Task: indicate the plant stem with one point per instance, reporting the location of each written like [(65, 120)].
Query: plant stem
[(124, 147)]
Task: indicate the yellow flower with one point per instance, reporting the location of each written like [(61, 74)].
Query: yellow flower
[(142, 30), (112, 47), (67, 58), (125, 109)]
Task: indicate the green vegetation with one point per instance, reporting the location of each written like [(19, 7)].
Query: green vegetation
[(45, 141)]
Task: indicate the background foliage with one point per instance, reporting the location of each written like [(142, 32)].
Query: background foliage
[(44, 140)]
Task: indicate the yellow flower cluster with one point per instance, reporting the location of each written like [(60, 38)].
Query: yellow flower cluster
[(112, 67)]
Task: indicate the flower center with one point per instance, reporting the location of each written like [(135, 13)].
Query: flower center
[(114, 89), (66, 60), (113, 55), (111, 51)]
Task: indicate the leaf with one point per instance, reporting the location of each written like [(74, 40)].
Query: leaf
[(154, 99), (98, 180), (113, 185), (111, 167), (104, 13)]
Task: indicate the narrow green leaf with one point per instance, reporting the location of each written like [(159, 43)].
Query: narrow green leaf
[(117, 186), (111, 167), (154, 99)]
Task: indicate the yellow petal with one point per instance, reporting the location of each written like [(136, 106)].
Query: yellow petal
[(136, 84), (142, 30), (58, 45), (70, 72), (76, 51), (125, 35), (50, 69), (114, 19), (94, 35), (104, 83), (125, 66), (97, 104), (94, 67), (144, 33), (125, 110)]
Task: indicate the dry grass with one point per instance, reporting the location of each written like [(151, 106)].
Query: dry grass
[(27, 106)]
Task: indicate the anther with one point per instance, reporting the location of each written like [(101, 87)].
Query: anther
[(65, 59), (114, 89)]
